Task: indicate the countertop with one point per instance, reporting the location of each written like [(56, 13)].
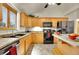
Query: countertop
[(41, 28), (64, 37), (7, 41)]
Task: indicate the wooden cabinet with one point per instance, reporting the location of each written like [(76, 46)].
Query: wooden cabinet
[(55, 20), (36, 22), (37, 37), (23, 20), (29, 24), (26, 21), (41, 21), (28, 42), (24, 44)]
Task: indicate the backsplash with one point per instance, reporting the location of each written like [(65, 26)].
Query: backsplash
[(2, 32), (7, 31)]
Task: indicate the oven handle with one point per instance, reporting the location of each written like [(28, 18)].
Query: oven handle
[(6, 53)]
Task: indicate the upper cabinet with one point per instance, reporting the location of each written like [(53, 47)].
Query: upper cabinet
[(8, 17), (23, 19), (29, 22), (36, 22)]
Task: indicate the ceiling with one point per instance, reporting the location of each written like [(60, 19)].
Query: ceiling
[(39, 10)]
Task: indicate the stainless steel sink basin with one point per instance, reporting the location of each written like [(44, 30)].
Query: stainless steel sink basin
[(13, 36), (9, 37), (19, 34)]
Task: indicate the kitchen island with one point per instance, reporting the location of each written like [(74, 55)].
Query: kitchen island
[(65, 38), (70, 47)]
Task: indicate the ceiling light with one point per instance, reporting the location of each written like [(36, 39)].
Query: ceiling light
[(51, 3)]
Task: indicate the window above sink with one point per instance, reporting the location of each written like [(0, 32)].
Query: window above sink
[(8, 17)]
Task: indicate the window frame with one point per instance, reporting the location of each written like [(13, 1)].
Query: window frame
[(6, 14), (14, 19), (9, 8)]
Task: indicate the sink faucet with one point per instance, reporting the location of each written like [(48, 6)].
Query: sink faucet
[(12, 32)]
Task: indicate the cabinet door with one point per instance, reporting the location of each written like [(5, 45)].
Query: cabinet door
[(28, 42), (29, 21), (24, 20), (35, 22), (33, 37), (22, 46), (38, 37), (41, 21)]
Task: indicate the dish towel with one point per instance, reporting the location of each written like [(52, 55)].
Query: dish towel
[(12, 51)]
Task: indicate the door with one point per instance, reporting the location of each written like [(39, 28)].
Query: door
[(70, 26)]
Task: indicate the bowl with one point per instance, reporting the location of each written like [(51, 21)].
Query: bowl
[(72, 37)]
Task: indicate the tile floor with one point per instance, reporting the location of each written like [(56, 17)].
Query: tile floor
[(30, 50), (42, 49)]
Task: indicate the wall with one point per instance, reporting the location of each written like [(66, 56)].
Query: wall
[(73, 15), (76, 29)]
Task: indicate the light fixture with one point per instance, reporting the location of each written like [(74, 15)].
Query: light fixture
[(51, 3), (47, 4)]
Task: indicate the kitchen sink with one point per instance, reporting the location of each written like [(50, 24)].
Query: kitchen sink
[(13, 36), (9, 37), (19, 34)]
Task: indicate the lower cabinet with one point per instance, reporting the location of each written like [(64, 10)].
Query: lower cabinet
[(24, 44), (37, 37), (27, 41)]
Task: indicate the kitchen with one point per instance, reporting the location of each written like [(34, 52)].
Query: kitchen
[(22, 33)]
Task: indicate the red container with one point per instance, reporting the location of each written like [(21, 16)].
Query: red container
[(72, 37)]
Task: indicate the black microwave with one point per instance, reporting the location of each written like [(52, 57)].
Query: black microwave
[(47, 24)]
